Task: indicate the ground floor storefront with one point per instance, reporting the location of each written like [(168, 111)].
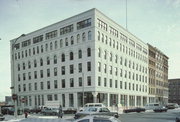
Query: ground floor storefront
[(78, 99)]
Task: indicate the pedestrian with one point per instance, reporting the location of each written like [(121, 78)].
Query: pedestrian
[(60, 113), (26, 114)]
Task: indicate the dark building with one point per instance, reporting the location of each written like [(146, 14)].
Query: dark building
[(174, 91)]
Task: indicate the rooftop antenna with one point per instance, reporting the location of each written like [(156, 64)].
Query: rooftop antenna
[(126, 16)]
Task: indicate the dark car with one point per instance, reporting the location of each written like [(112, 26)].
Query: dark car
[(177, 119), (160, 109), (1, 117), (70, 111), (137, 109)]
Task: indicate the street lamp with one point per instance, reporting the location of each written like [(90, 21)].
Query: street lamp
[(13, 87)]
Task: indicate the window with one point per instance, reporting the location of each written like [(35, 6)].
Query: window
[(88, 52), (66, 29), (99, 81), (84, 23), (89, 35), (29, 75), (51, 46), (63, 57), (63, 83), (71, 82), (48, 85), (48, 72), (61, 43), (105, 68), (24, 76), (99, 52), (72, 40), (105, 82), (78, 38), (80, 81), (99, 66), (19, 77), (19, 88), (42, 85), (63, 70), (55, 97), (30, 87), (41, 73), (110, 57), (121, 85), (55, 44), (116, 84), (55, 59), (51, 34), (110, 70), (98, 36), (89, 80), (71, 67), (55, 71), (80, 54), (24, 66), (105, 54), (84, 37), (102, 37), (46, 47), (110, 82), (88, 66), (55, 84), (71, 56), (66, 41), (24, 87), (41, 62), (71, 100), (80, 67), (35, 74), (49, 97), (35, 63), (37, 39), (35, 86), (42, 49), (48, 61)]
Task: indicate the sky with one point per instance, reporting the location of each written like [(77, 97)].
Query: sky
[(156, 22)]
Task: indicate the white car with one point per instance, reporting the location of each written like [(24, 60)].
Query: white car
[(97, 118), (95, 111)]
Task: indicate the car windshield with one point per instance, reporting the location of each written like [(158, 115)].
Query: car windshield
[(92, 109)]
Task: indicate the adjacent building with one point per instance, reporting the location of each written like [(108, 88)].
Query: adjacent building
[(174, 91), (158, 76), (85, 58)]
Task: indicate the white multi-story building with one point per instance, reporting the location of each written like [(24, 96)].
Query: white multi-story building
[(87, 56)]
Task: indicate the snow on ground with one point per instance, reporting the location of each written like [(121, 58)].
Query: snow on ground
[(38, 118)]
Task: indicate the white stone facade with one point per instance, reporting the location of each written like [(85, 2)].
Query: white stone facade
[(87, 53)]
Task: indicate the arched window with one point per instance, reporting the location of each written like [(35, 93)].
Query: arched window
[(78, 38), (46, 47), (55, 44), (89, 35), (66, 41), (41, 62), (89, 52), (71, 56), (61, 43), (102, 37), (48, 60), (84, 37), (42, 49), (55, 59), (72, 40), (105, 54), (51, 46), (98, 36), (80, 54), (63, 57), (99, 52)]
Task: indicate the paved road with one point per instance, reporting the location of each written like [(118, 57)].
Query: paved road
[(151, 116)]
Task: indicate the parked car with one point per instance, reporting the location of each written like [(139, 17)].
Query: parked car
[(96, 118), (87, 105), (152, 106), (1, 117), (177, 119), (160, 109), (172, 105), (70, 111), (50, 111), (95, 111), (137, 109)]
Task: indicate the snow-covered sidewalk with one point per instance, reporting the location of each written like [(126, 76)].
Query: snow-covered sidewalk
[(38, 118)]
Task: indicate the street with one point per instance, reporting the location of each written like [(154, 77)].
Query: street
[(168, 116)]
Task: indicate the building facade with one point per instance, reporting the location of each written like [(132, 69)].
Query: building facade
[(158, 76), (174, 91), (85, 58)]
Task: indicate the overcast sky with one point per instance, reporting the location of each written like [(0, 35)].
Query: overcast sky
[(156, 22)]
